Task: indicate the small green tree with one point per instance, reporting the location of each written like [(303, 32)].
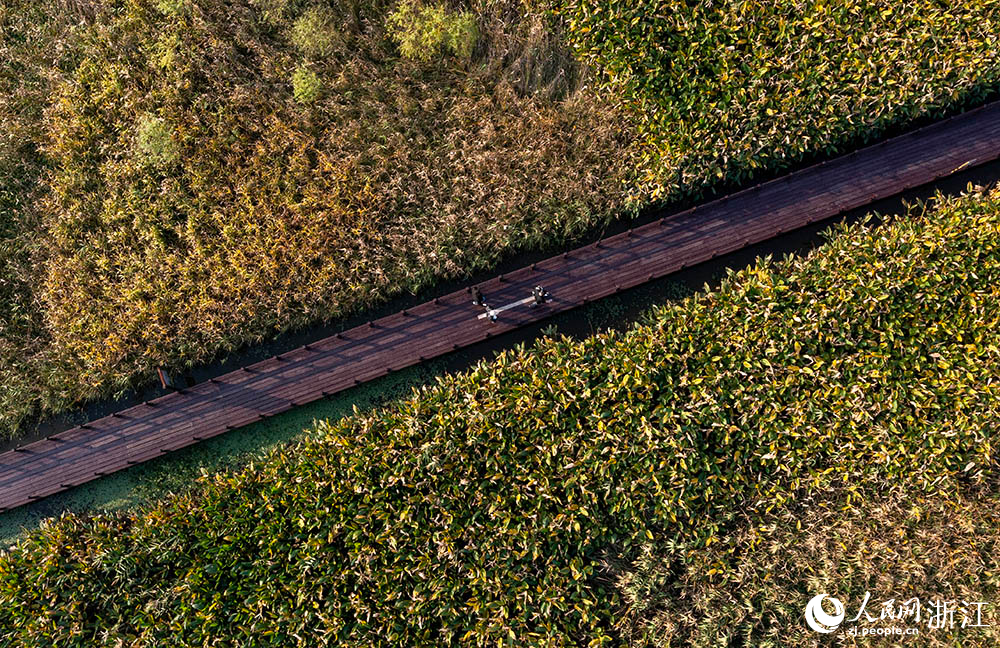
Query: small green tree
[(170, 7), (155, 141), (315, 33), (306, 85), (424, 32)]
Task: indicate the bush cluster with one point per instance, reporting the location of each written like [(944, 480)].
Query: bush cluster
[(306, 85), (426, 31), (276, 217), (480, 511), (720, 90), (315, 32), (155, 140)]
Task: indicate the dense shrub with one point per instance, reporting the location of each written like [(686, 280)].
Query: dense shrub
[(482, 510), (315, 32), (306, 86), (722, 89), (155, 140), (171, 7), (426, 31)]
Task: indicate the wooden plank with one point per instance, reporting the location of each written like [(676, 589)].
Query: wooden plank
[(625, 260)]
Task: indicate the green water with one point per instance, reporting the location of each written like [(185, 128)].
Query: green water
[(153, 480)]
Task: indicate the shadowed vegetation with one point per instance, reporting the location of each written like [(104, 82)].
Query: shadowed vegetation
[(751, 588)]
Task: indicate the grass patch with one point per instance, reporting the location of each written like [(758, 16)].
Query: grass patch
[(485, 510), (722, 90), (181, 179), (752, 587)]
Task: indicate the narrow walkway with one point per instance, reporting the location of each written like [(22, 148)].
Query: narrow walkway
[(141, 433)]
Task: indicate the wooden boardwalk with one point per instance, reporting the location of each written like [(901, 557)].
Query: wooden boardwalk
[(278, 384)]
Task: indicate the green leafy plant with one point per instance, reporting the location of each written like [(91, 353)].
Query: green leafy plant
[(306, 85), (723, 90), (483, 510), (155, 140), (424, 32), (315, 33), (171, 7)]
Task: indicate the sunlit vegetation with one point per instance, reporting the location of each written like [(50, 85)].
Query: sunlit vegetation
[(577, 492), (722, 89), (306, 85), (425, 32), (184, 177), (155, 141), (315, 32), (213, 173)]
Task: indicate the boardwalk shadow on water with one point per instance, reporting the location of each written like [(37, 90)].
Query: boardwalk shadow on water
[(152, 480)]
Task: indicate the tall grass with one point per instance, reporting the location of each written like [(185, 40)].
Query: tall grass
[(721, 90), (185, 178), (229, 171), (485, 510)]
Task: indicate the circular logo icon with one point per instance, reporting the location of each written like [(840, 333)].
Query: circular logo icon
[(818, 619)]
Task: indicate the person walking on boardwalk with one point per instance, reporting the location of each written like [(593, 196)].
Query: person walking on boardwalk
[(540, 294), (479, 300)]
